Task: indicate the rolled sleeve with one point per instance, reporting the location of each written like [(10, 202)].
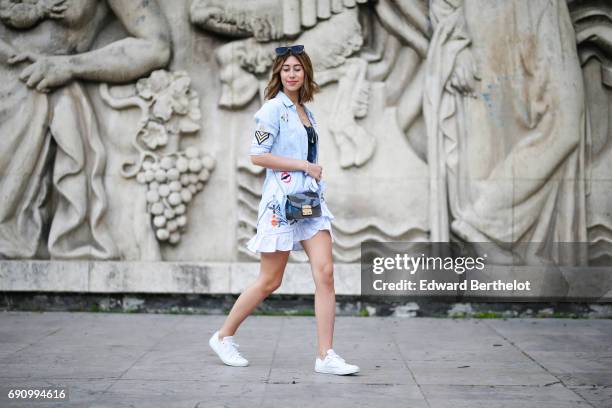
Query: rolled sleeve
[(266, 129)]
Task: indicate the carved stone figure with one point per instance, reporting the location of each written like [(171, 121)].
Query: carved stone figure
[(593, 23), (52, 160), (505, 112)]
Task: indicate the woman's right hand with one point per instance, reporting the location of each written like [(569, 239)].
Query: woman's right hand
[(314, 170)]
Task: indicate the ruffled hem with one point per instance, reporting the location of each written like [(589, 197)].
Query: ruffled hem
[(289, 240)]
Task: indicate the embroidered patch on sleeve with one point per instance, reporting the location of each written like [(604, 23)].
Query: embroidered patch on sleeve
[(261, 136)]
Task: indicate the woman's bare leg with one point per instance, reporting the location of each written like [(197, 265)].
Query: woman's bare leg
[(270, 278), (319, 251)]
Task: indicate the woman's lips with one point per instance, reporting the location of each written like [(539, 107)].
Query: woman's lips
[(292, 82)]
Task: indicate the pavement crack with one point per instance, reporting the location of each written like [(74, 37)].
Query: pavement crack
[(560, 381), (267, 380), (399, 352), (51, 333)]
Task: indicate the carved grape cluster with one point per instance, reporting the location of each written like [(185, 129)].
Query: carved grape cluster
[(172, 182)]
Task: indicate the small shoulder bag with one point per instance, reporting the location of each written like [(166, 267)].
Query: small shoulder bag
[(301, 205)]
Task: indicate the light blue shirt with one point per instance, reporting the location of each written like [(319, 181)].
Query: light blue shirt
[(279, 130)]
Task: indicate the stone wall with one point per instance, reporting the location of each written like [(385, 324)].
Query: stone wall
[(125, 128)]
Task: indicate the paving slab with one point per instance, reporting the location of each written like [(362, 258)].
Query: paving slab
[(555, 395), (148, 360)]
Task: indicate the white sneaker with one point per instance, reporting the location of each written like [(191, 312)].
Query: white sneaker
[(334, 364), (227, 350)]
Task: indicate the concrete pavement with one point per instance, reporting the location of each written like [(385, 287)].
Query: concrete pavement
[(148, 360)]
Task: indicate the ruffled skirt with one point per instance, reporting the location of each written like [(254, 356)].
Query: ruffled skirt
[(289, 238)]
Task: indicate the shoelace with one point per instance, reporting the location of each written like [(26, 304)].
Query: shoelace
[(232, 346), (334, 356)]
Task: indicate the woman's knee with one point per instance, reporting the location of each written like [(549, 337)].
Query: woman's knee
[(269, 285), (324, 275), (272, 270)]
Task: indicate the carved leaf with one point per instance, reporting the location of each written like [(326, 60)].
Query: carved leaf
[(154, 135)]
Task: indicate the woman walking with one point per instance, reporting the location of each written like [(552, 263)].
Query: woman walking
[(285, 142)]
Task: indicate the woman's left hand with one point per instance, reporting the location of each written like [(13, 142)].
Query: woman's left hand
[(315, 171)]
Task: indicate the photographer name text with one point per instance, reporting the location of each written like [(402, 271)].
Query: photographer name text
[(433, 285)]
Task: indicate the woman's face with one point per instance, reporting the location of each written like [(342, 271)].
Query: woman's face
[(292, 74)]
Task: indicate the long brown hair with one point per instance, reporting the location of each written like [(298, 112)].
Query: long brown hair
[(308, 89)]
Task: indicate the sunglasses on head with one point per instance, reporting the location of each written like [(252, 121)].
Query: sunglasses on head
[(294, 49)]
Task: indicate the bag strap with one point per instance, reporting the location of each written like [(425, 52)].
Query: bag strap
[(278, 182), (282, 189)]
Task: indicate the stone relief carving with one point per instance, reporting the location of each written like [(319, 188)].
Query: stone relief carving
[(169, 108), (454, 114), (26, 14), (593, 23), (333, 32), (507, 128), (52, 159)]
